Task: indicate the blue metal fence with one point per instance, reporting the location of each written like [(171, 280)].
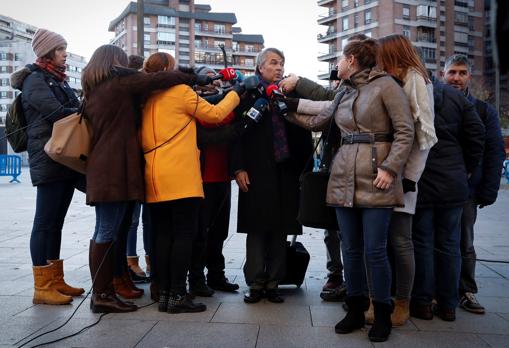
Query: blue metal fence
[(10, 165)]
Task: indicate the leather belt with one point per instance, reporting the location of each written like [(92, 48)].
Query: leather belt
[(367, 138)]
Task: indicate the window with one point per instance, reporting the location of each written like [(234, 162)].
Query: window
[(343, 44), (344, 3), (367, 17), (428, 54), (163, 37), (219, 28), (406, 31), (217, 43), (165, 21), (460, 37), (3, 107), (460, 18), (3, 56), (406, 12), (250, 48), (197, 26), (356, 20), (205, 27), (3, 94), (3, 69), (355, 3), (426, 11), (18, 56), (345, 23), (4, 82), (146, 54), (146, 37), (146, 21), (249, 62)]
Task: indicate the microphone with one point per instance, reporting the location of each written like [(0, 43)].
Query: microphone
[(277, 100), (273, 92), (226, 74), (256, 111)]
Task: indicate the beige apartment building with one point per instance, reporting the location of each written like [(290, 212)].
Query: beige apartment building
[(188, 31), (439, 28)]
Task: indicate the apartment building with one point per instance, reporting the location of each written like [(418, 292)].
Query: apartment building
[(439, 28), (188, 31), (15, 52)]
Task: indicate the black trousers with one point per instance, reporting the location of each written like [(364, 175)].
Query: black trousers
[(265, 263), (175, 224), (212, 232)]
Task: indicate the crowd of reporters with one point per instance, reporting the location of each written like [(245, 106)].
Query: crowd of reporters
[(409, 158)]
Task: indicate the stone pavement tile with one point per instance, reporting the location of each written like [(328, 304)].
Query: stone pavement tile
[(286, 336), (496, 341), (62, 311), (489, 323), (12, 287), (178, 334), (493, 287), (485, 270), (108, 333), (263, 312), (505, 316), (14, 271), (18, 328), (501, 269), (151, 313), (11, 305), (494, 304), (401, 338)]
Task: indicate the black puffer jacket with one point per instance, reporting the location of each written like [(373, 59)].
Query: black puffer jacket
[(460, 132), (44, 101)]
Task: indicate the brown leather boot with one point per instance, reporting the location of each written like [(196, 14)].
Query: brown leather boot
[(59, 282), (133, 264), (124, 287), (370, 314), (103, 298), (44, 287), (401, 312)]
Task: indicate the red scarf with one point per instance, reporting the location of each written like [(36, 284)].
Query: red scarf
[(57, 71)]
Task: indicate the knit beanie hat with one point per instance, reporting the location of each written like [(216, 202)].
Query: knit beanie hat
[(204, 70), (44, 41)]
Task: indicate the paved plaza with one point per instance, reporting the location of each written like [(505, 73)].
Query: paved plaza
[(304, 320)]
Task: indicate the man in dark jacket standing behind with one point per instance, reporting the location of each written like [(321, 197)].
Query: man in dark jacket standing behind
[(443, 191), (484, 182)]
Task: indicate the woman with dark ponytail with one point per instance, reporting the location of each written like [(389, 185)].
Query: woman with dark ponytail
[(377, 133)]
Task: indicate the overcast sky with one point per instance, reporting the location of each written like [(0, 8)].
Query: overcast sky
[(289, 25)]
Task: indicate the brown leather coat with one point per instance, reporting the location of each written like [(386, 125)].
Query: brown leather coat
[(373, 103)]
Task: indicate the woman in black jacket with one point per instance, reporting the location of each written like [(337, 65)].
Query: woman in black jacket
[(47, 98)]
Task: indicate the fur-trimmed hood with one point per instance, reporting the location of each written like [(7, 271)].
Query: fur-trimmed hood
[(18, 77)]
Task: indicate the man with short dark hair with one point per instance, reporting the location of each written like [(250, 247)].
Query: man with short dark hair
[(484, 181)]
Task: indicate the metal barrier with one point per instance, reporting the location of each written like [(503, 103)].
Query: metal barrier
[(10, 165)]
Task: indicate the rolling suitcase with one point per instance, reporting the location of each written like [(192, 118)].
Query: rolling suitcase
[(297, 260)]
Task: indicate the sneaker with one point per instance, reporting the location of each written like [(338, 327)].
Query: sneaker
[(469, 303), (336, 295)]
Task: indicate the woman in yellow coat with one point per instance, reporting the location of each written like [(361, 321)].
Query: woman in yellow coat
[(173, 180)]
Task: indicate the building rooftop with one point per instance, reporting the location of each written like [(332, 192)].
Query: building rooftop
[(159, 10), (248, 38)]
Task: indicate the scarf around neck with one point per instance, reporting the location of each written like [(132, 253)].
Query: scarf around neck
[(57, 71)]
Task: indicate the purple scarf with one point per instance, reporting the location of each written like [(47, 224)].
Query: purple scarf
[(279, 136)]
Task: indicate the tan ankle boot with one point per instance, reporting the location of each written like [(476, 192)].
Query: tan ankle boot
[(370, 314), (59, 282), (132, 263), (147, 262), (44, 290), (401, 312)]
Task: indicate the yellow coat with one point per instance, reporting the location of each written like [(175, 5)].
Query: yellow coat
[(172, 171)]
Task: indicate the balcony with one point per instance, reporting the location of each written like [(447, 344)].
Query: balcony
[(425, 21), (327, 56), (212, 49), (211, 33), (325, 18), (325, 2), (326, 37), (250, 53)]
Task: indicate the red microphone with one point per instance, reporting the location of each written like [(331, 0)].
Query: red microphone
[(226, 74), (273, 91)]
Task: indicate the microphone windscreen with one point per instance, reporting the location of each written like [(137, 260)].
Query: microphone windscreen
[(228, 74), (251, 82), (260, 104), (270, 89)]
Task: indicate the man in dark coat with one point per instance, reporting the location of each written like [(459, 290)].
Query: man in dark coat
[(267, 164), (484, 182), (443, 191)]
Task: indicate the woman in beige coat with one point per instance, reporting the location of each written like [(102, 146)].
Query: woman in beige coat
[(365, 181)]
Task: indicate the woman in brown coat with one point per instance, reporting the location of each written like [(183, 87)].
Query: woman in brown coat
[(365, 182), (115, 166)]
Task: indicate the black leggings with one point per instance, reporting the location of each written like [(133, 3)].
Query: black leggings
[(175, 224)]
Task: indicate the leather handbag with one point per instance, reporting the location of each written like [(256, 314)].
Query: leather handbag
[(313, 211), (70, 142)]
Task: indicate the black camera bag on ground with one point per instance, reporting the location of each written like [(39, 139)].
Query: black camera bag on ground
[(297, 260)]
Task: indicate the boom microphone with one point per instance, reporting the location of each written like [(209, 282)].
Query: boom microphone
[(226, 74)]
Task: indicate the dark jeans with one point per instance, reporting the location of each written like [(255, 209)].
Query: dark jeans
[(133, 230), (468, 255), (176, 224), (333, 246), (436, 236), (400, 242), (265, 263), (52, 202), (363, 234), (212, 232)]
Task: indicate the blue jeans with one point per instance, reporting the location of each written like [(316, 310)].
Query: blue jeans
[(436, 236), (133, 230), (364, 234), (111, 220), (52, 202)]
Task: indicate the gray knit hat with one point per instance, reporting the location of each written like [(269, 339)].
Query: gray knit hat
[(44, 41), (204, 70)]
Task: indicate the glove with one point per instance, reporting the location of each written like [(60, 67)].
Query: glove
[(483, 202), (408, 185), (238, 88), (203, 80), (292, 103)]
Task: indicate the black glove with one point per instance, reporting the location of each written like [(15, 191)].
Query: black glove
[(238, 88), (408, 185), (203, 80), (483, 202), (292, 103)]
